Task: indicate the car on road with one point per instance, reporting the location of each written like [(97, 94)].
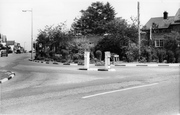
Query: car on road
[(18, 51), (4, 53)]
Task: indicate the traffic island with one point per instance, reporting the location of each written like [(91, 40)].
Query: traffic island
[(107, 63), (66, 64), (83, 68), (96, 69), (30, 59), (106, 69), (55, 63)]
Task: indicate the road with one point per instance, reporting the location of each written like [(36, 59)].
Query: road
[(39, 89)]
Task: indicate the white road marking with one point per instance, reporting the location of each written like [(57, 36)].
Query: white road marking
[(98, 94)]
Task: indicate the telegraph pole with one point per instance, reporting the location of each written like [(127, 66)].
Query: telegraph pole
[(139, 36), (31, 30)]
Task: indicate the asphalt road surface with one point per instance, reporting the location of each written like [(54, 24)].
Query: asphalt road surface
[(47, 89)]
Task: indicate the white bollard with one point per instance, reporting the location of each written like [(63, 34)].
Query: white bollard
[(86, 59), (107, 60)]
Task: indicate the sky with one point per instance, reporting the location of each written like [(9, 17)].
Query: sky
[(16, 25)]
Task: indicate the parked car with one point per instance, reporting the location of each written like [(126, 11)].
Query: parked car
[(10, 51), (18, 52), (4, 53)]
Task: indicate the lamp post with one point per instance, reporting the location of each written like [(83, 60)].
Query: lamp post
[(31, 29), (24, 45), (139, 35)]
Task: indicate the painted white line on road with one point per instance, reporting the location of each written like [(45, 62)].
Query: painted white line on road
[(98, 94)]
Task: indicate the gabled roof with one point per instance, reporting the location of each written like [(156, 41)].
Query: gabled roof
[(10, 42), (160, 22), (177, 16)]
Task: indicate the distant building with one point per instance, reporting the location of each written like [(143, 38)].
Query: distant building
[(156, 27), (3, 39)]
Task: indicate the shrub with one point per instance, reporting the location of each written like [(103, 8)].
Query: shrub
[(38, 57), (75, 61), (99, 55), (51, 54), (161, 55), (68, 62), (170, 56), (95, 60), (92, 61), (178, 59), (177, 55), (80, 62), (75, 57), (65, 53), (129, 56), (46, 59), (131, 52), (100, 63), (154, 56), (58, 59), (63, 60), (142, 59)]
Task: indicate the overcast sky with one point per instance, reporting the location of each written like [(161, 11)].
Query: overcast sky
[(16, 25)]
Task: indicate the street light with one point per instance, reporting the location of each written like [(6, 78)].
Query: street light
[(24, 45), (31, 29)]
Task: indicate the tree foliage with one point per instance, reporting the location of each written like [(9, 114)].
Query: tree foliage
[(77, 47), (172, 46), (171, 41), (120, 37), (94, 18), (52, 38)]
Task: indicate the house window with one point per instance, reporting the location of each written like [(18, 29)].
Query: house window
[(159, 43)]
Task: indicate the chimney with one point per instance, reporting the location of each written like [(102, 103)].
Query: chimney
[(165, 15)]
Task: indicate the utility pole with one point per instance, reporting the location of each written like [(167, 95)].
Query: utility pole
[(150, 36), (139, 36), (31, 30)]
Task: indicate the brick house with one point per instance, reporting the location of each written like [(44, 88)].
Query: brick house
[(157, 27)]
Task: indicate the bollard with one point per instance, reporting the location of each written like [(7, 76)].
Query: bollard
[(107, 60), (86, 59)]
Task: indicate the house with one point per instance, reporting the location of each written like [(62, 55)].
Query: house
[(3, 39), (157, 27)]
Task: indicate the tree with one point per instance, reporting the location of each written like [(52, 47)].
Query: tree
[(120, 36), (52, 38), (94, 18), (171, 41), (77, 47)]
